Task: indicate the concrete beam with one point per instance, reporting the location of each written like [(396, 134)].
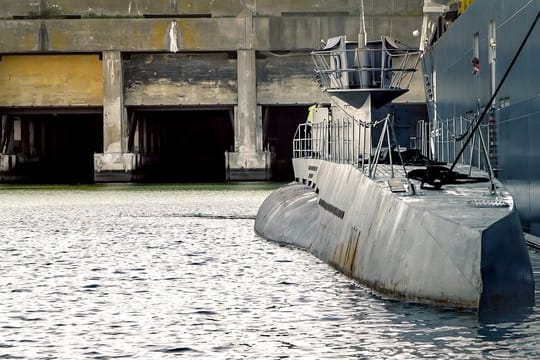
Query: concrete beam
[(96, 35), (97, 8), (307, 7), (138, 8), (222, 8), (176, 35)]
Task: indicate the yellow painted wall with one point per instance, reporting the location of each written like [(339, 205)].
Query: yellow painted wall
[(51, 80)]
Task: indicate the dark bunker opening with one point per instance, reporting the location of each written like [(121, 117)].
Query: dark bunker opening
[(52, 145), (186, 145), (279, 127)]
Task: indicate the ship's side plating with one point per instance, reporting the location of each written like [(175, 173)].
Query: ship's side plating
[(492, 31)]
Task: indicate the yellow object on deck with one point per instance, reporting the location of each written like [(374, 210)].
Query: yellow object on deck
[(311, 110), (464, 4)]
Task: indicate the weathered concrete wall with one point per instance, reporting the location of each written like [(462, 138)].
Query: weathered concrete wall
[(267, 33), (237, 53), (234, 24), (180, 79), (95, 35), (287, 79), (306, 32), (51, 80), (262, 25), (221, 8), (119, 8), (148, 7)]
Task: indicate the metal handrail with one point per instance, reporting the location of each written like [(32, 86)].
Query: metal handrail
[(341, 69), (446, 135), (341, 141)]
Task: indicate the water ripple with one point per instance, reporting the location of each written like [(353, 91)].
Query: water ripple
[(164, 273)]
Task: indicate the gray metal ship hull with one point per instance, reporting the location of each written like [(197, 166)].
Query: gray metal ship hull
[(492, 30), (457, 241), (433, 247)]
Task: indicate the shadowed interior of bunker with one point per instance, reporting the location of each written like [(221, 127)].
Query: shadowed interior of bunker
[(190, 145), (58, 147), (174, 145), (182, 145), (279, 127)]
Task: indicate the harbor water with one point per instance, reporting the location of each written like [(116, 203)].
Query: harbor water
[(149, 272)]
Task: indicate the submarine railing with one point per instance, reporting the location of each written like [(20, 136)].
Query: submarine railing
[(370, 68), (346, 141), (384, 67), (328, 140), (446, 135)]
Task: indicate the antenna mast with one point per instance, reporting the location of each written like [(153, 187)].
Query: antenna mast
[(362, 35)]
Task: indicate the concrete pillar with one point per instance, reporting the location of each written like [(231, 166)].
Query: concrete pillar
[(8, 160), (246, 111), (114, 164), (4, 134), (248, 161)]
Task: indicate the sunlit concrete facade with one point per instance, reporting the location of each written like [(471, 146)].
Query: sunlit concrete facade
[(115, 56)]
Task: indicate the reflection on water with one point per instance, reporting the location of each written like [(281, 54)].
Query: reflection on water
[(156, 272)]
